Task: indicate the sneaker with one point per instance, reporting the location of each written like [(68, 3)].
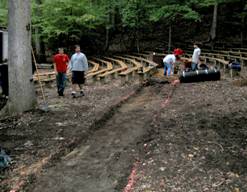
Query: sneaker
[(73, 94), (82, 93), (61, 94)]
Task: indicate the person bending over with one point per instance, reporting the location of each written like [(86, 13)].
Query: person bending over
[(169, 62)]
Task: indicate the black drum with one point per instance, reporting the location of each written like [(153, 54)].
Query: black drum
[(200, 75)]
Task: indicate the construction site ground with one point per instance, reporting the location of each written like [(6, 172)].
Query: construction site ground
[(131, 137)]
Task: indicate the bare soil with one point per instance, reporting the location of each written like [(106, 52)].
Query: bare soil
[(36, 139), (192, 137)]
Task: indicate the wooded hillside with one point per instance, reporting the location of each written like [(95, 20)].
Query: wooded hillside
[(103, 25)]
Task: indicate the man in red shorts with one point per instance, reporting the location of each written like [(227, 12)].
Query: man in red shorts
[(60, 66)]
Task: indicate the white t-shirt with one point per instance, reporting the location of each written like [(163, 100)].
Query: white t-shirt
[(196, 55), (170, 59)]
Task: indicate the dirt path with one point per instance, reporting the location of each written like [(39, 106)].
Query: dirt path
[(196, 141), (104, 162), (193, 141), (38, 139)]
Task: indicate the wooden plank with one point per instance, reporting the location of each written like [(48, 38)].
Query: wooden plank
[(95, 66), (121, 63), (107, 63), (135, 64), (150, 63)]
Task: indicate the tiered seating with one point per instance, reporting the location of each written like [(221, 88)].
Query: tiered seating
[(106, 66), (134, 67), (45, 77), (95, 68), (115, 71), (148, 66), (102, 68)]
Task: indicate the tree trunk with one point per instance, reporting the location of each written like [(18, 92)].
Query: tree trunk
[(137, 41), (213, 31), (37, 41), (170, 39), (107, 34), (21, 89), (242, 30)]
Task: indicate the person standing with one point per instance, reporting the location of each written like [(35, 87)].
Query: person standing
[(78, 66), (196, 57), (60, 66)]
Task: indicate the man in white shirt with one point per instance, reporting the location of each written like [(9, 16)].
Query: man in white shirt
[(196, 57), (78, 65), (169, 61)]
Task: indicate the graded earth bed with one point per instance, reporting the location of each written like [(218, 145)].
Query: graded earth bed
[(191, 137), (38, 139)]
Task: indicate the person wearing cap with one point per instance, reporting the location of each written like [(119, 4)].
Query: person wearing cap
[(196, 57), (170, 60)]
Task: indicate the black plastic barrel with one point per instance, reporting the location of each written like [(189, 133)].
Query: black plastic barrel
[(200, 75), (4, 83)]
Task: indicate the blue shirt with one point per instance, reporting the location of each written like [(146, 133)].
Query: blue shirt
[(78, 62)]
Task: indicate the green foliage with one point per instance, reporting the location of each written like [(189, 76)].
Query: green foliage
[(135, 13), (206, 3), (172, 12), (64, 17), (3, 13), (72, 18)]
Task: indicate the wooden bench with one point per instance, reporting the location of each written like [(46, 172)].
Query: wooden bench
[(116, 71), (148, 66), (242, 58), (220, 63), (103, 62), (106, 66), (130, 61), (95, 68), (118, 62), (45, 66), (144, 55), (130, 72), (44, 76)]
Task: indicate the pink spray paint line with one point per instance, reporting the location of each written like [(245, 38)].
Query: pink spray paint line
[(18, 187), (165, 103), (133, 176), (132, 179), (168, 99)]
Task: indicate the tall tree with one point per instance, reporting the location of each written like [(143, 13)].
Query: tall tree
[(214, 25), (21, 89), (135, 15), (37, 41), (215, 3), (171, 12)]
